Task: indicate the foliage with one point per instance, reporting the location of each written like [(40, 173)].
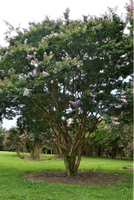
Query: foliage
[(12, 140), (2, 134), (113, 139)]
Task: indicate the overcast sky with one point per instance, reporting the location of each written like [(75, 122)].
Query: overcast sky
[(21, 12)]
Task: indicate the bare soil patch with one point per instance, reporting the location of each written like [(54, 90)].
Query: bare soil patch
[(40, 159), (86, 177), (130, 169)]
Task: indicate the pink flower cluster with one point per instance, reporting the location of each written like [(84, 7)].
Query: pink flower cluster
[(74, 103), (106, 127), (20, 77), (124, 100), (25, 41), (92, 95), (119, 106), (106, 109), (26, 92), (116, 123), (130, 8), (45, 73), (123, 36), (34, 72), (29, 56), (132, 83)]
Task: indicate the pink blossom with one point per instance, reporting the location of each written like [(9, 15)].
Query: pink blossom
[(123, 92), (129, 8), (6, 53), (20, 77), (106, 109), (123, 36), (26, 92), (94, 101), (29, 56), (33, 61), (35, 53), (116, 118), (106, 127), (74, 102), (25, 30), (132, 83), (25, 41), (45, 73), (9, 70), (55, 34), (121, 138), (102, 117), (124, 100), (123, 96), (68, 124), (92, 95), (119, 106), (34, 72), (116, 123), (78, 65)]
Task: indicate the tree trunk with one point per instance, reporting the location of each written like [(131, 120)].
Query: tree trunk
[(88, 150), (70, 166), (119, 150), (99, 151), (51, 151), (72, 163), (36, 150), (24, 149), (18, 151), (113, 153), (96, 151)]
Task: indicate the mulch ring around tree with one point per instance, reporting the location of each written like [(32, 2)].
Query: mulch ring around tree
[(84, 177)]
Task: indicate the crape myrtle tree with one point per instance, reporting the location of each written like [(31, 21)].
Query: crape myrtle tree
[(112, 139), (2, 135), (31, 142), (70, 76), (12, 140)]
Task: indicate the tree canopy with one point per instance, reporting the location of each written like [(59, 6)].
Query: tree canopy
[(68, 77)]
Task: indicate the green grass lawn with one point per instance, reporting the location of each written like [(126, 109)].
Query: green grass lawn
[(13, 186)]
